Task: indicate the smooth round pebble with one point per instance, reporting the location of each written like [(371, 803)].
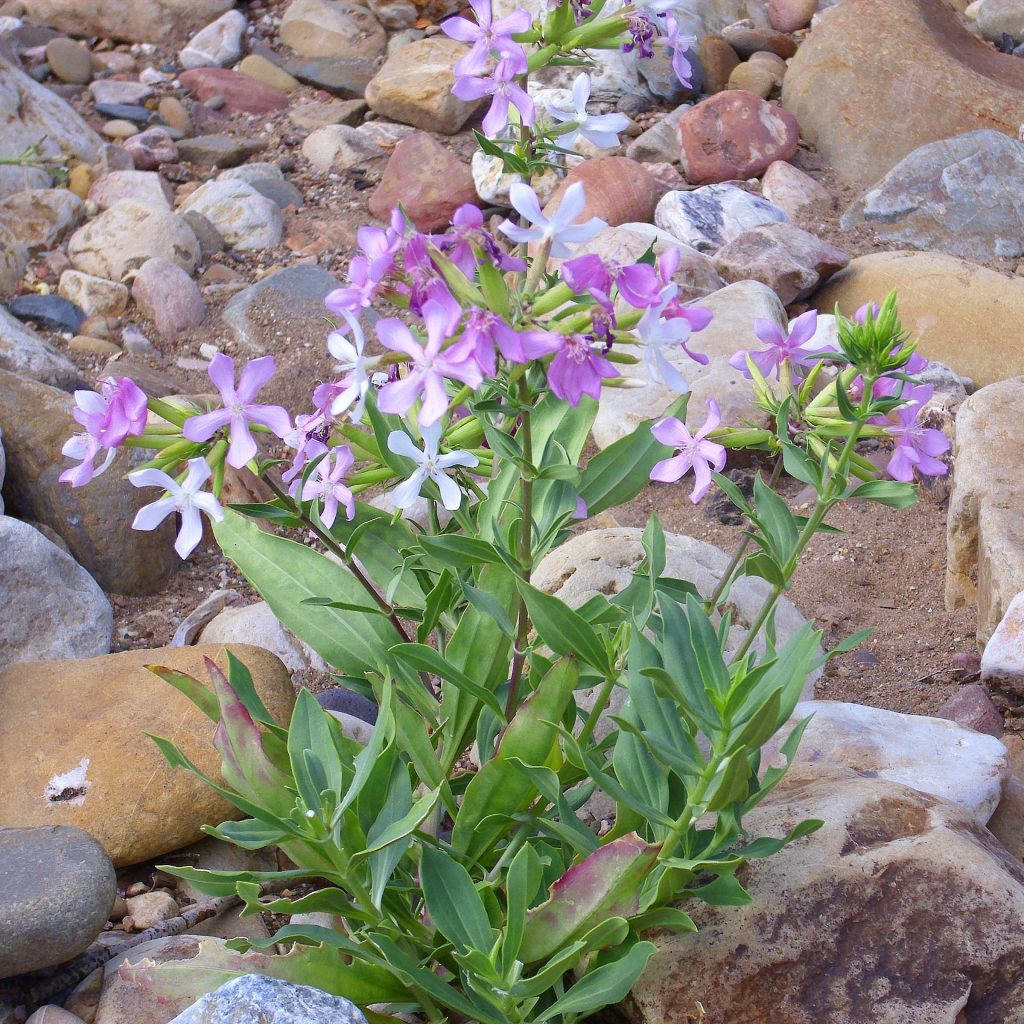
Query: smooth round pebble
[(753, 78), (173, 111), (69, 61), (120, 129)]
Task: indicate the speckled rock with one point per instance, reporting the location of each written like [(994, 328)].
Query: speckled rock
[(793, 190), (709, 217), (95, 296), (1002, 663), (135, 186), (40, 218), (151, 148), (24, 353), (245, 218), (339, 147), (13, 261)]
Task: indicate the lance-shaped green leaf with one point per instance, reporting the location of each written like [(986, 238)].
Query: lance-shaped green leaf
[(605, 884)]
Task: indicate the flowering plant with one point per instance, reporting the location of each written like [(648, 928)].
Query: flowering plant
[(481, 893)]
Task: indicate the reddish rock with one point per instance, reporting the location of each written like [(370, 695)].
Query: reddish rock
[(790, 15), (618, 190), (972, 708), (151, 148), (168, 296), (789, 187), (746, 38), (718, 59), (242, 94), (792, 262), (427, 180), (734, 134)]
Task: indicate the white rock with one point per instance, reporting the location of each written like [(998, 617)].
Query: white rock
[(493, 182), (217, 45), (1002, 664), (93, 295), (53, 609), (339, 146), (256, 624), (712, 215), (245, 219), (138, 186), (256, 171), (734, 310), (931, 755)]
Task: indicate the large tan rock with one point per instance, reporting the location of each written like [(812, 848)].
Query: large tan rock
[(875, 79), (332, 28), (985, 528), (963, 315), (902, 909), (135, 21), (75, 751)]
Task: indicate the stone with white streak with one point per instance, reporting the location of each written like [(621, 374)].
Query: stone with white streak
[(245, 219), (217, 45), (931, 755), (708, 217), (1002, 663)]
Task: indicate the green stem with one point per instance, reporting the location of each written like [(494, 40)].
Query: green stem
[(603, 695)]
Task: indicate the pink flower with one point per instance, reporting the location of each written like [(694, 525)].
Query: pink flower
[(428, 366), (327, 482), (505, 92), (917, 447), (692, 452), (485, 332), (239, 410), (796, 348), (560, 229), (486, 35), (637, 282), (577, 369)]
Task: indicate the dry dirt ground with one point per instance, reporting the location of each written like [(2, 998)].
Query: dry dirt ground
[(885, 573)]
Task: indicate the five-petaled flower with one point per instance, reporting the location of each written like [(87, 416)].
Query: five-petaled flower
[(239, 410), (560, 229), (354, 365), (659, 337), (327, 483), (602, 130), (504, 91), (430, 465), (578, 368), (693, 451), (796, 349), (487, 36), (917, 447), (188, 498)]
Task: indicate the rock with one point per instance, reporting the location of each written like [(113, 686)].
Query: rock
[(270, 1001), (49, 311), (150, 908), (268, 180), (94, 521), (111, 92), (346, 702), (218, 150), (734, 134), (282, 310), (53, 607), (267, 72), (346, 77), (791, 15), (53, 1015), (735, 308), (241, 94), (792, 262), (709, 217), (123, 129), (663, 82), (209, 238), (971, 707), (218, 44), (718, 59), (426, 179), (603, 562), (256, 625), (931, 755), (245, 219), (134, 21), (493, 183), (773, 62), (133, 802), (1007, 824), (1002, 663), (13, 261), (39, 218), (792, 190), (69, 61), (959, 195), (332, 28), (173, 111), (314, 115), (341, 146), (746, 38), (660, 143), (168, 296), (997, 18), (32, 115), (887, 862), (618, 190), (985, 534), (93, 295), (150, 149), (839, 85), (56, 889), (964, 315), (129, 233), (414, 87), (24, 353), (695, 276), (754, 78)]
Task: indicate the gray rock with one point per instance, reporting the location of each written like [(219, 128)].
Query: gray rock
[(708, 217), (346, 77), (109, 90), (39, 218), (52, 607), (1002, 664), (23, 352), (254, 997), (209, 238), (339, 147), (245, 218), (50, 311), (13, 261), (218, 150), (963, 196), (56, 889), (217, 45), (660, 143), (267, 179), (284, 308)]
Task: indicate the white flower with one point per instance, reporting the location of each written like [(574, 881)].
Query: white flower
[(657, 335), (188, 498), (429, 464), (559, 230), (600, 129), (354, 364)]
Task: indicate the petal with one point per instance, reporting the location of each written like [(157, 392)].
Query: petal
[(398, 396), (150, 516), (672, 432), (198, 473), (581, 93), (713, 420), (497, 115), (769, 332), (457, 458), (461, 29), (518, 234), (242, 448), (393, 334), (222, 373), (405, 494), (901, 465), (698, 317), (572, 205), (451, 494), (435, 399), (668, 471), (153, 478), (256, 374), (468, 88), (271, 416), (933, 442), (202, 428), (209, 504), (702, 480), (524, 201), (402, 444), (804, 327), (190, 533)]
